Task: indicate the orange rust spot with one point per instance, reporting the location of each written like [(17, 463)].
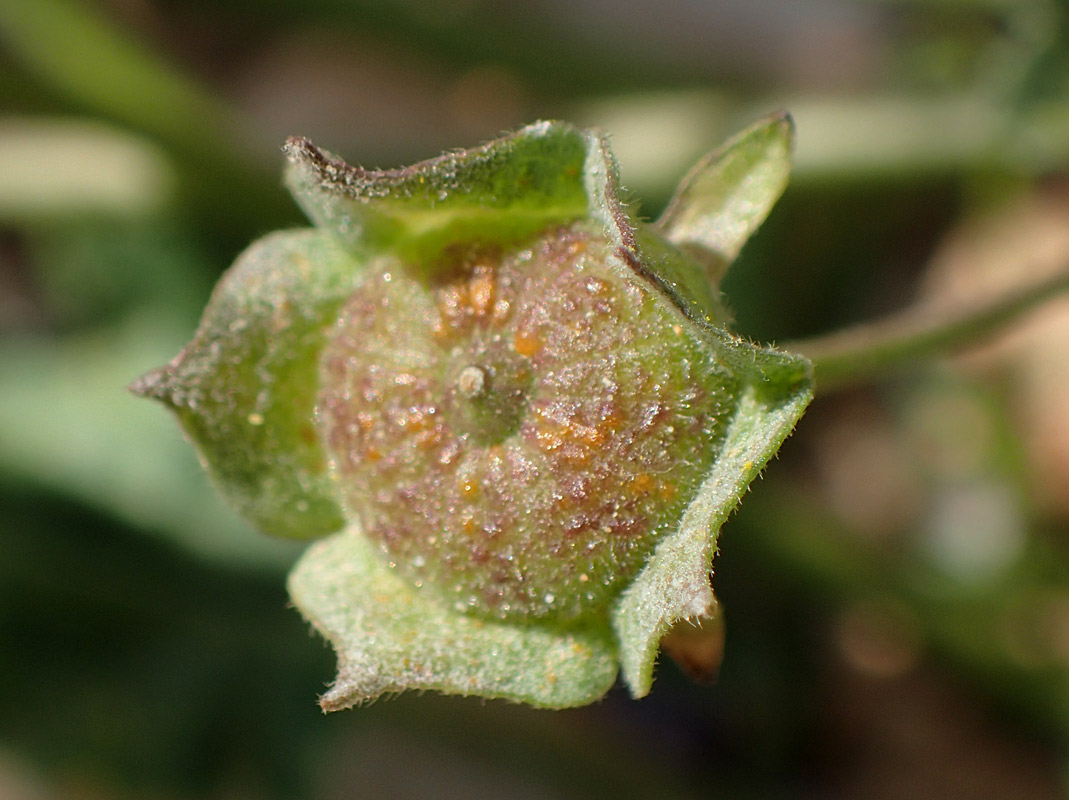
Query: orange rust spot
[(280, 320), (364, 420), (414, 422), (642, 483), (586, 434), (610, 421), (428, 438), (558, 429), (481, 293), (597, 287), (668, 490), (469, 489), (526, 344), (468, 526), (372, 454)]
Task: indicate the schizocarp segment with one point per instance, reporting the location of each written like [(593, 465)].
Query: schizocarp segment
[(519, 430)]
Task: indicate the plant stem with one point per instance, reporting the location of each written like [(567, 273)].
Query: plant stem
[(859, 353), (76, 51)]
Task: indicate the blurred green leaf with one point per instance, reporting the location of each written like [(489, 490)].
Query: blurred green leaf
[(65, 168), (69, 425), (76, 50)]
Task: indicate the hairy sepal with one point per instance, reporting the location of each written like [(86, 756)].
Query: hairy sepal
[(244, 390)]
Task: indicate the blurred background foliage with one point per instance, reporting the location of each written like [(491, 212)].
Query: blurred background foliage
[(896, 589)]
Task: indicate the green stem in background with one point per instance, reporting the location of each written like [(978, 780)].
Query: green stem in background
[(80, 54), (859, 353)]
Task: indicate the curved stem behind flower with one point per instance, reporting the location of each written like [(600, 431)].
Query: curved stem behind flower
[(859, 353)]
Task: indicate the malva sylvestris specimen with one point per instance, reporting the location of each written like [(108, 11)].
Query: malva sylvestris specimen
[(514, 413)]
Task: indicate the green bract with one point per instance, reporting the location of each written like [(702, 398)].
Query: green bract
[(515, 412)]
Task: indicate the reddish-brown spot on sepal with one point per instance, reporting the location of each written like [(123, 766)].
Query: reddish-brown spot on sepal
[(697, 646)]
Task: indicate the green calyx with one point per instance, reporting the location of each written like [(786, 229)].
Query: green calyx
[(518, 413)]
